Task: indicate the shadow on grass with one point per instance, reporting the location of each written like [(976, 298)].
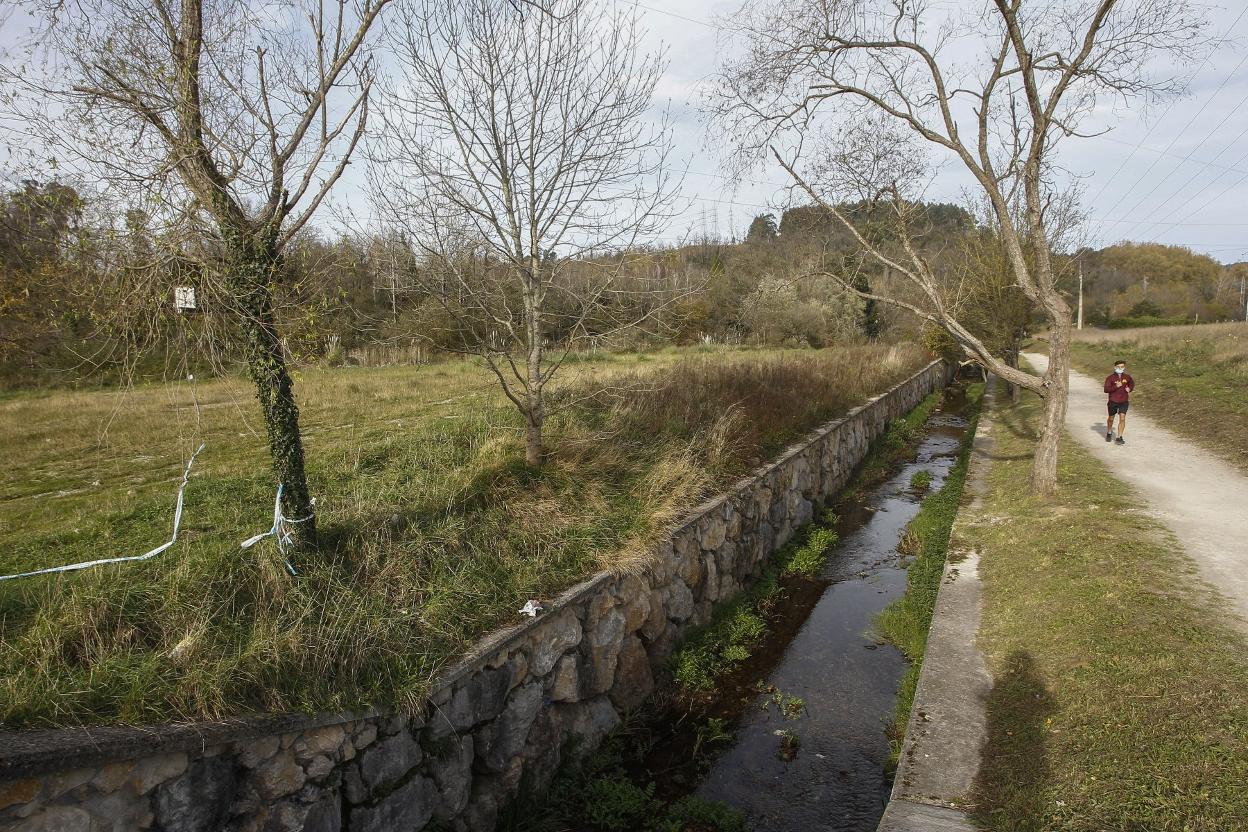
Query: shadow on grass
[(1014, 769)]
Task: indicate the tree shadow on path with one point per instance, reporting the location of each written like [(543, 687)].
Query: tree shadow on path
[(1013, 774)]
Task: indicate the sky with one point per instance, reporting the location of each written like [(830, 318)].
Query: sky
[(1176, 173)]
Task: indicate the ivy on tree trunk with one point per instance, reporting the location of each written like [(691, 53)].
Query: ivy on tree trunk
[(249, 277)]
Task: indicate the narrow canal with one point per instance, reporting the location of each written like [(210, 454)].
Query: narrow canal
[(833, 661)]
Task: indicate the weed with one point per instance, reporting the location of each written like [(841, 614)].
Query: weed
[(713, 732), (790, 743), (692, 814), (921, 480)]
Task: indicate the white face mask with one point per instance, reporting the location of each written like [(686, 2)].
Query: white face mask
[(1120, 370)]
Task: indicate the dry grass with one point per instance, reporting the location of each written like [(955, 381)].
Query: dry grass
[(434, 530), (1193, 380), (1161, 335)]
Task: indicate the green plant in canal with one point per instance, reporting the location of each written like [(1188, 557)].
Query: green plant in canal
[(714, 731), (738, 626), (790, 742), (616, 803), (905, 622), (693, 813), (921, 480), (789, 707)]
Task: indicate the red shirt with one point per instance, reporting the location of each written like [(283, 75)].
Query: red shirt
[(1118, 386)]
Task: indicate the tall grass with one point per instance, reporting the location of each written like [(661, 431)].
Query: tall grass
[(435, 532)]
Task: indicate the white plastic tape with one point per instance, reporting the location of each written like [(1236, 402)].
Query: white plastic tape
[(279, 531), (177, 522)]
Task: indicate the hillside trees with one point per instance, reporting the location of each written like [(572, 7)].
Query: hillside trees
[(514, 145), (874, 87), (233, 121)]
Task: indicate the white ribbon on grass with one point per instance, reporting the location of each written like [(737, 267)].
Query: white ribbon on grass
[(279, 531), (177, 522)]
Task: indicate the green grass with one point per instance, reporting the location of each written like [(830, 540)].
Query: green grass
[(921, 480), (434, 531), (1193, 380), (716, 649), (906, 621), (1119, 697)]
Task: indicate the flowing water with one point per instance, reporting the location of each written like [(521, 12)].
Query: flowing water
[(832, 660)]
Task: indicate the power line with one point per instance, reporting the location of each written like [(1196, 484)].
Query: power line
[(1162, 118), (1190, 122), (1182, 205), (1230, 111)]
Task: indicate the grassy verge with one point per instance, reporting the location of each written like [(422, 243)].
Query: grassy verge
[(1119, 696), (435, 532), (906, 621), (1193, 380)]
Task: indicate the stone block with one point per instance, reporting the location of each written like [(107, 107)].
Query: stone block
[(634, 594), (365, 735), (480, 698), (452, 774), (388, 761), (58, 819), (20, 792), (199, 800), (564, 682), (408, 807), (712, 530), (633, 679), (679, 601), (498, 743), (150, 772), (323, 741), (279, 776), (255, 752), (551, 639), (709, 590), (657, 619), (602, 649), (689, 557)]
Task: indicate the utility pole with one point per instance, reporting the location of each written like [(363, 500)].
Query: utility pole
[(1080, 324)]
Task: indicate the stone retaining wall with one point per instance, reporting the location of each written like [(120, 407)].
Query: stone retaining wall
[(503, 717)]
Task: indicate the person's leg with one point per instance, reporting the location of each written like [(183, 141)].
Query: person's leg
[(1122, 423), (1109, 426)]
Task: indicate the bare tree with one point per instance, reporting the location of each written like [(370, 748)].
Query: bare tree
[(235, 119), (517, 152), (995, 89)]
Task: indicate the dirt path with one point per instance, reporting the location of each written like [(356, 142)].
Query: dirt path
[(1201, 498)]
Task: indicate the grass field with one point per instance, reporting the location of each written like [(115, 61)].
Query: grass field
[(1191, 379), (1119, 695), (434, 531)]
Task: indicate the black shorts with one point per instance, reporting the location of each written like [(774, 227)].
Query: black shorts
[(1118, 407)]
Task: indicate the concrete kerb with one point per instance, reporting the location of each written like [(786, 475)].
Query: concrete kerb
[(940, 754), (28, 753)]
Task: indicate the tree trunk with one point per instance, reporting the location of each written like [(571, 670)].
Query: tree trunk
[(249, 279), (535, 406), (1057, 383)]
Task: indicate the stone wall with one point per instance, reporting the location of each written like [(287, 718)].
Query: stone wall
[(501, 719)]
